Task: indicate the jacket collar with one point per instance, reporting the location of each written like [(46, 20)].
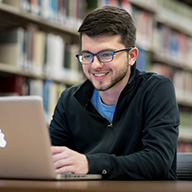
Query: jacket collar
[(85, 91)]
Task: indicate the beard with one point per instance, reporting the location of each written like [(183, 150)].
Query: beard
[(106, 85)]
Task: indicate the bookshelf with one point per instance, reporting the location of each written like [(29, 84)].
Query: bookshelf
[(37, 52), (164, 39), (12, 17), (172, 57)]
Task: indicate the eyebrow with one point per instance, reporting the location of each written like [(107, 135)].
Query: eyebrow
[(86, 51)]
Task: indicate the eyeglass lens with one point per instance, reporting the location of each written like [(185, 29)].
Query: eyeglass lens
[(103, 56)]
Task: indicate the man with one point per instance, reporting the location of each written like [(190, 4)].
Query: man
[(120, 122)]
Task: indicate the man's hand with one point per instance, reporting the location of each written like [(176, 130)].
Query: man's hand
[(67, 160)]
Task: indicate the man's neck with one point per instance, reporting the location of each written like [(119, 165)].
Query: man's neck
[(111, 96)]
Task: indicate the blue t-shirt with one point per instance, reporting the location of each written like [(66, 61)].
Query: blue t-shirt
[(105, 110)]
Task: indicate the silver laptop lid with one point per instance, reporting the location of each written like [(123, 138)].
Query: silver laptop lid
[(24, 139)]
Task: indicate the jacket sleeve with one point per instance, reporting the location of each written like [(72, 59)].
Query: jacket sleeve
[(59, 129), (157, 157)]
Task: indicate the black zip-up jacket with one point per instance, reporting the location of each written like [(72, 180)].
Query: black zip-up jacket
[(140, 143)]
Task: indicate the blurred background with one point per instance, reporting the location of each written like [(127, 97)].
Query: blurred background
[(39, 41)]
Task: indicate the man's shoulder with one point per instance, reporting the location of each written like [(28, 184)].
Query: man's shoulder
[(152, 77), (149, 80), (148, 75)]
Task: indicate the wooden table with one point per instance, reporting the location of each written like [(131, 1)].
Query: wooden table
[(94, 186)]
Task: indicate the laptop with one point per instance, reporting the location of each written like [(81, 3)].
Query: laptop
[(25, 142)]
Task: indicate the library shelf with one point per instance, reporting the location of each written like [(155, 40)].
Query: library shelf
[(12, 17), (161, 58), (145, 5), (14, 70)]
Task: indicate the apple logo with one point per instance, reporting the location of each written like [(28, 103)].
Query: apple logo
[(2, 140)]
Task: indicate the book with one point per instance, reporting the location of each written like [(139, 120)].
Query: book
[(72, 68), (51, 94), (184, 147), (12, 85), (54, 55), (126, 5), (15, 3), (144, 25), (39, 52), (143, 62), (11, 45), (173, 45), (177, 14), (29, 45), (65, 12)]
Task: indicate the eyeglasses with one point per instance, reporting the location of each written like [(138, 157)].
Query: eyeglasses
[(86, 58)]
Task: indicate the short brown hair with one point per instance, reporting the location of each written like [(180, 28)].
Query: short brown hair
[(110, 20)]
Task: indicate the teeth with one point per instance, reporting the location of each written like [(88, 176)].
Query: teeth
[(100, 74)]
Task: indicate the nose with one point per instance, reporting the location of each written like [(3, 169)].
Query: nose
[(96, 63)]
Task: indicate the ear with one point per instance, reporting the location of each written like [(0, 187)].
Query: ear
[(133, 53)]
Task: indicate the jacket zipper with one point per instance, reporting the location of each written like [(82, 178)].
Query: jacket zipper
[(108, 137)]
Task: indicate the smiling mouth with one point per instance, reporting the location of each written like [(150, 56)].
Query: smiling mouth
[(100, 74)]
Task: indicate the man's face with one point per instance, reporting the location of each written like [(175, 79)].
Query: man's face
[(105, 76)]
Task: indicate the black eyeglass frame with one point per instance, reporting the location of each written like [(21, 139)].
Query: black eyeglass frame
[(97, 55)]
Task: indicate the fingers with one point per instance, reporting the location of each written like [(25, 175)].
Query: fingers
[(56, 149), (67, 160), (64, 154), (62, 160), (65, 169)]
